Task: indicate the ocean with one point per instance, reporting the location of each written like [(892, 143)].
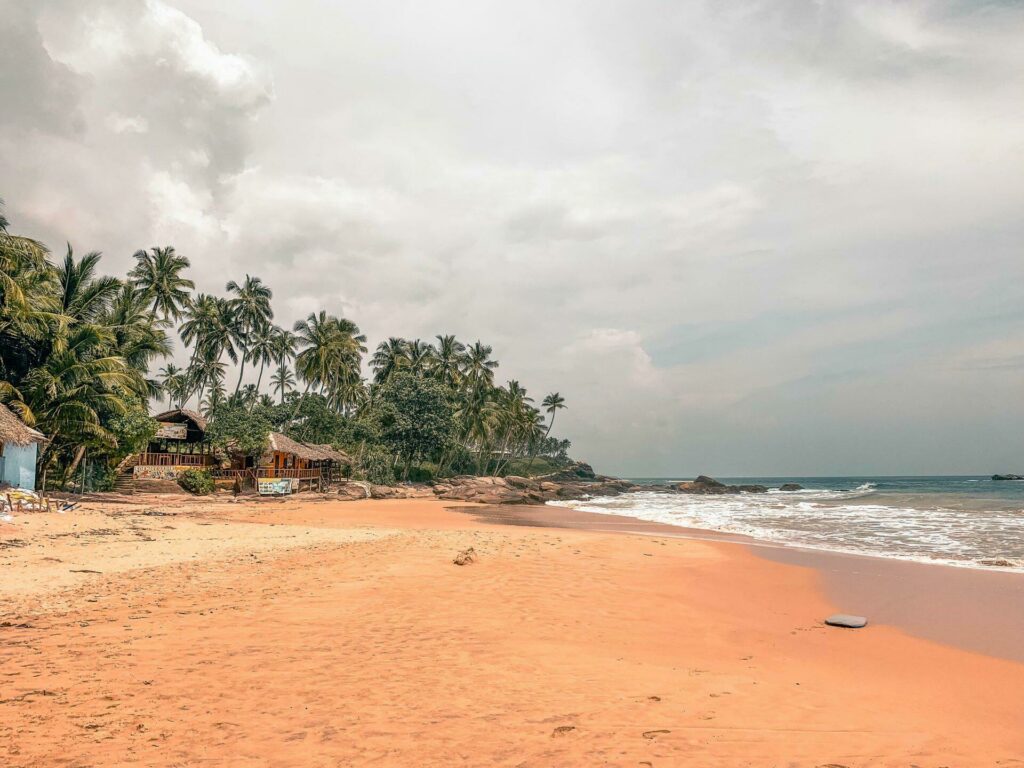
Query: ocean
[(970, 521)]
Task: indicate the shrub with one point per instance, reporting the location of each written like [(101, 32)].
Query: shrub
[(421, 474), (377, 467), (197, 481)]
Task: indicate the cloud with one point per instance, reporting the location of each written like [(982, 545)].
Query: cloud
[(738, 238)]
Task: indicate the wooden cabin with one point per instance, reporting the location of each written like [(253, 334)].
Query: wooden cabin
[(179, 444)]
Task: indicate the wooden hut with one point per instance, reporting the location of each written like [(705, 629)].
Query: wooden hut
[(179, 444), (19, 449)]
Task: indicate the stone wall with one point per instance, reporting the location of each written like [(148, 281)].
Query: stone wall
[(158, 473)]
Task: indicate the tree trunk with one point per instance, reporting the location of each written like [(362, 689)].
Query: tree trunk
[(241, 372), (541, 441), (79, 453)]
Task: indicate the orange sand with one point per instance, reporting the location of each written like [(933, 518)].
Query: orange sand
[(343, 635)]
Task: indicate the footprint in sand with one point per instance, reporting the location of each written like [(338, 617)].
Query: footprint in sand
[(654, 734)]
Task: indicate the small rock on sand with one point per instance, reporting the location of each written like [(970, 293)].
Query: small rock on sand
[(465, 557), (846, 620)]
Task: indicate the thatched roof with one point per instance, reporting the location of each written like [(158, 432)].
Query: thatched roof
[(285, 444), (14, 430), (333, 453), (188, 414)]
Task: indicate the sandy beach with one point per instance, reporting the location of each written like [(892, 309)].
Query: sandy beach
[(324, 633)]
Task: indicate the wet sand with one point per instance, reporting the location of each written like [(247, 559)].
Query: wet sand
[(309, 633), (976, 610)]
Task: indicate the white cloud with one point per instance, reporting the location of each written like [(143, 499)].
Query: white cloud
[(723, 231)]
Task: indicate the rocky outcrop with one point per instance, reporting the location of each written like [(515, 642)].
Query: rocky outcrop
[(791, 487), (1008, 477), (709, 486)]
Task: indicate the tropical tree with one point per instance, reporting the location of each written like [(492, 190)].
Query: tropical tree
[(174, 381), (330, 355), (282, 381), (449, 361), (391, 356), (479, 370), (552, 404), (250, 313), (83, 295), (157, 275)]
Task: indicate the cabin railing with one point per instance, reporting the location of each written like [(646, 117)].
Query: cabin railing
[(301, 474), (175, 460)]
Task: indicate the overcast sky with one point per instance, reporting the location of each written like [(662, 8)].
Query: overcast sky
[(739, 238)]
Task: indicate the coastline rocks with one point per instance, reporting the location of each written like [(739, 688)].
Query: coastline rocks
[(708, 485), (791, 487), (1008, 477)]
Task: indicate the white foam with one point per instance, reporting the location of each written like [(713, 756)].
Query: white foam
[(834, 521)]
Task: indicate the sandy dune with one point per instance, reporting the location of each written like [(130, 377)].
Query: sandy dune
[(324, 634)]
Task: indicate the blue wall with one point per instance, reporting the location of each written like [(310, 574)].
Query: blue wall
[(19, 465)]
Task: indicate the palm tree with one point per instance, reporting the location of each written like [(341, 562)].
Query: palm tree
[(205, 373), (552, 403), (251, 311), (174, 382), (450, 359), (263, 346), (214, 399), (137, 338), (480, 367), (83, 295), (157, 275), (422, 357), (391, 355), (77, 382), (330, 357), (282, 381)]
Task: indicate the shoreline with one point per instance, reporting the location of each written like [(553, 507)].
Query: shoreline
[(312, 631), (970, 608)]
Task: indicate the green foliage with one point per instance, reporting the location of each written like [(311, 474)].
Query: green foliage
[(197, 481), (133, 429), (233, 429), (421, 474), (376, 466), (77, 354), (414, 417)]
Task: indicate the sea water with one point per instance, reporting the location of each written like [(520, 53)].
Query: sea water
[(964, 520)]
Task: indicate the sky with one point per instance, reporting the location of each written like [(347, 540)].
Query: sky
[(744, 238)]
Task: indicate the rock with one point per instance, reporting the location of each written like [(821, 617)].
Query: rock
[(708, 485), (998, 563), (709, 481), (562, 730), (465, 557), (354, 491), (791, 487), (520, 482), (1008, 477), (846, 620), (747, 489)]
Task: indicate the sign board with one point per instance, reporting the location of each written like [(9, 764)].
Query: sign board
[(169, 431), (274, 486)]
